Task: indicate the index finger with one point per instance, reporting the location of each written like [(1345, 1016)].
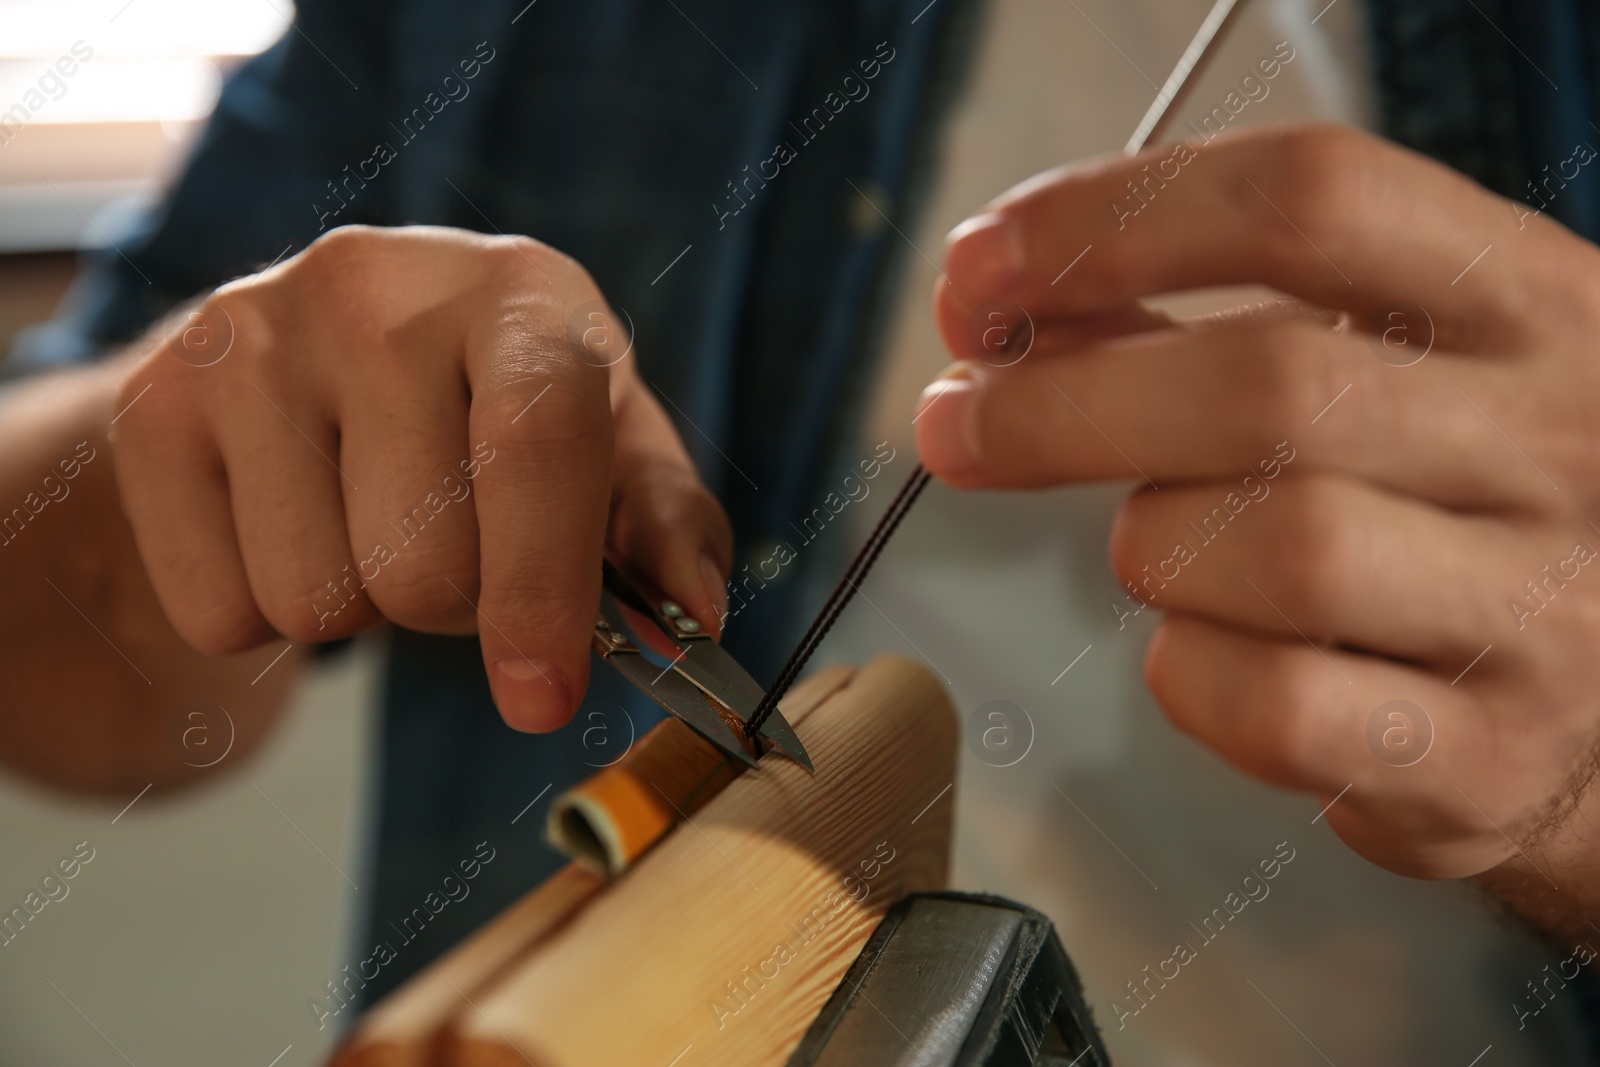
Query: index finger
[(1326, 213), (541, 434)]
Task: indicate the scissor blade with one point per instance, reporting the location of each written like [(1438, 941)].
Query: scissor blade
[(699, 659), (713, 668), (778, 731), (683, 700)]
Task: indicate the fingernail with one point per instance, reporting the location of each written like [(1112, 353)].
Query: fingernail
[(984, 258), (532, 695), (716, 588), (946, 438), (962, 370)]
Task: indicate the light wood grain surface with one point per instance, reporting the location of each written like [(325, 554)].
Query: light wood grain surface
[(429, 1020), (405, 1028), (724, 942)]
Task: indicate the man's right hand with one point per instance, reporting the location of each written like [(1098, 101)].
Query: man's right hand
[(422, 425)]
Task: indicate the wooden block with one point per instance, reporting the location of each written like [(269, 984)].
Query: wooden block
[(672, 761), (722, 944), (403, 1029)]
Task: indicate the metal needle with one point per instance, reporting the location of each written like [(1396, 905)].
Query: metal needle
[(1207, 41)]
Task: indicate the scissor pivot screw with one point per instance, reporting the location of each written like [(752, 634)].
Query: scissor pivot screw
[(688, 626), (617, 639), (671, 609)]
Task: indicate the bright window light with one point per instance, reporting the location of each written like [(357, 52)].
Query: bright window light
[(99, 98)]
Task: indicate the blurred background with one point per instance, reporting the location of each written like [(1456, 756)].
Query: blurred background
[(206, 922), (109, 133)]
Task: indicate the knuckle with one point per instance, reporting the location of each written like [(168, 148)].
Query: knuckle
[(1296, 373), (339, 247), (304, 611), (701, 507), (1293, 742), (1564, 278), (342, 279), (667, 494), (1129, 531), (1311, 187), (1164, 676), (298, 620), (1325, 545), (133, 387), (1112, 277), (663, 508), (426, 595), (538, 602), (222, 626), (155, 407), (232, 323), (520, 259), (236, 302), (562, 415)]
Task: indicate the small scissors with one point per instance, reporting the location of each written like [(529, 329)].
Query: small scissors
[(703, 685)]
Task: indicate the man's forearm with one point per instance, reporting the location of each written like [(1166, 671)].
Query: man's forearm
[(99, 693)]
